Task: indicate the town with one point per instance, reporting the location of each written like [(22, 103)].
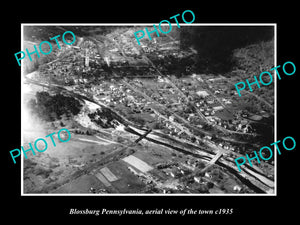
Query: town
[(143, 118), (40, 47)]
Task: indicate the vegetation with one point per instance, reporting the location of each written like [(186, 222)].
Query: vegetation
[(153, 103), (215, 45), (102, 118), (251, 61), (50, 108)]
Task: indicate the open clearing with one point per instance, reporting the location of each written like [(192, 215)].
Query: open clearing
[(80, 185), (137, 163)]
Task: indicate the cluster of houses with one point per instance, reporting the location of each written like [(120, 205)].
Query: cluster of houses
[(118, 94), (176, 169), (186, 173), (208, 106)]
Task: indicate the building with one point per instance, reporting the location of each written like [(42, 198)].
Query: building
[(226, 101), (217, 108), (208, 137), (197, 179), (202, 93)]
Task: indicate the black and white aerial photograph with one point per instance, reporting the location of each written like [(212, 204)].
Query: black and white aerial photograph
[(156, 115)]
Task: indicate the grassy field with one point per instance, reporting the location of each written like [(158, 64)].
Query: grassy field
[(80, 185)]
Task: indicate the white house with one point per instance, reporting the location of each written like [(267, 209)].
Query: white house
[(197, 179), (202, 93)]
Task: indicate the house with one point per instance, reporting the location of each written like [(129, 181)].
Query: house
[(198, 77), (217, 108), (226, 147), (202, 93), (207, 175), (208, 137), (197, 179), (240, 126), (191, 116), (210, 118), (184, 171), (160, 79), (226, 101), (237, 188), (171, 118)]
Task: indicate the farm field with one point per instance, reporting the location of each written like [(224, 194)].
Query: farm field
[(137, 163)]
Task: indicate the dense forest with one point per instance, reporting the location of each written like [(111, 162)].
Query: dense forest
[(215, 44), (51, 108)]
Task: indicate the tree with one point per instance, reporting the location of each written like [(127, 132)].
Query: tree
[(51, 108), (215, 45)]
